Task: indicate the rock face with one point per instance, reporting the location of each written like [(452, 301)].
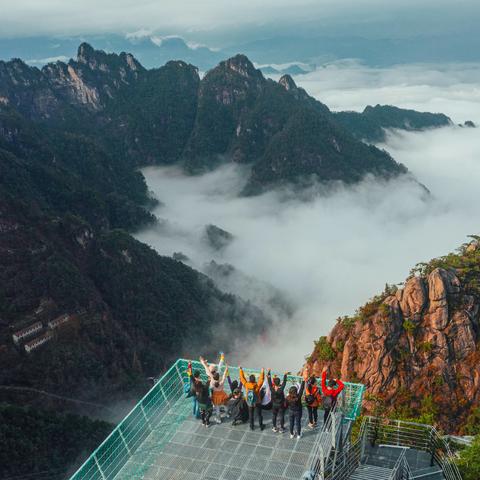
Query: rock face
[(416, 343)]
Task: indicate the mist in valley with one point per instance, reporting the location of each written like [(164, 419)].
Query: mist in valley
[(330, 254)]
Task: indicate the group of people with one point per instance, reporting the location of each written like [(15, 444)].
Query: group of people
[(251, 396)]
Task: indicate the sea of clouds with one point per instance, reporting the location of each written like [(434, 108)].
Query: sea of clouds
[(331, 254)]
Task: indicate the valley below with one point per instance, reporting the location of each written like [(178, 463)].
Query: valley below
[(328, 253)]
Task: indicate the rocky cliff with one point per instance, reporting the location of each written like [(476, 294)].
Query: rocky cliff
[(416, 348)]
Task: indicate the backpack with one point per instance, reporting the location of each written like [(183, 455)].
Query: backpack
[(252, 399), (327, 401), (310, 397)]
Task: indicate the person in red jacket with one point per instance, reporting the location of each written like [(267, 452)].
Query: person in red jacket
[(331, 390)]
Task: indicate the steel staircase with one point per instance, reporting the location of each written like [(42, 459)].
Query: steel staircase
[(368, 472), (392, 450)]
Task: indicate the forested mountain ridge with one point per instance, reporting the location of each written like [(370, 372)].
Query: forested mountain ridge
[(169, 115), (416, 348), (107, 312), (371, 124)]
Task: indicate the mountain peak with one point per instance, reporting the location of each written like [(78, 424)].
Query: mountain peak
[(85, 52), (287, 82), (242, 65), (100, 60)]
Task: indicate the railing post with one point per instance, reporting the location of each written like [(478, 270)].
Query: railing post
[(179, 373), (146, 418), (375, 432), (163, 393), (398, 433), (322, 466), (123, 440), (99, 468), (432, 448), (340, 438), (333, 419)]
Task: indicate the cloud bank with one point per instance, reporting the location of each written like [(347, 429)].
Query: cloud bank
[(333, 253), (34, 17)]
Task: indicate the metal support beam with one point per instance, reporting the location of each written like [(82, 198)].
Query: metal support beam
[(146, 418), (99, 468)]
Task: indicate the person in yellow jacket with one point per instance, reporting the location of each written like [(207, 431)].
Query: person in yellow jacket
[(253, 397)]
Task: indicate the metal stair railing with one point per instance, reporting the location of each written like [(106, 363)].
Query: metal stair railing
[(348, 460), (442, 454), (329, 438), (401, 470), (416, 436)]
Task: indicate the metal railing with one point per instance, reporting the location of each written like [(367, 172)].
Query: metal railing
[(157, 414), (416, 436), (348, 460), (401, 470), (330, 438)]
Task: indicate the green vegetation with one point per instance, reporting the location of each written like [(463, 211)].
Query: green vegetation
[(425, 347), (472, 425), (465, 261), (469, 461), (347, 322), (323, 350), (409, 326), (33, 440), (370, 125)]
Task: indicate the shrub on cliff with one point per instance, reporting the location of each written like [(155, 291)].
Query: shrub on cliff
[(323, 350), (469, 461)]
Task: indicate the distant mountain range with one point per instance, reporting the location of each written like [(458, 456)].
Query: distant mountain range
[(154, 50), (170, 115)]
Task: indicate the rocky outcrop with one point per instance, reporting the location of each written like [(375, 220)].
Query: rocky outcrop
[(416, 343), (286, 81)]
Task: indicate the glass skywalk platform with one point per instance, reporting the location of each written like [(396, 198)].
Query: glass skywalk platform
[(160, 439)]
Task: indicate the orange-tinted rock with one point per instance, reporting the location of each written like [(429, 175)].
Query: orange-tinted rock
[(439, 357)]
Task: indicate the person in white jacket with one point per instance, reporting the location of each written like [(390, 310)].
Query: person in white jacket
[(219, 396)]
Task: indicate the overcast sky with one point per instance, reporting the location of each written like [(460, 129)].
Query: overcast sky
[(221, 19)]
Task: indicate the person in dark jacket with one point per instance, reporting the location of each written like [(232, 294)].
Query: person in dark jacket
[(278, 400), (237, 408), (313, 399), (233, 384), (194, 377), (294, 406), (202, 392)]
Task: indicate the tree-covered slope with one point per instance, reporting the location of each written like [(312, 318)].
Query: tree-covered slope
[(169, 115), (370, 124), (44, 444), (286, 135)]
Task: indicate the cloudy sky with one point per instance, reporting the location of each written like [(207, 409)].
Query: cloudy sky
[(223, 19)]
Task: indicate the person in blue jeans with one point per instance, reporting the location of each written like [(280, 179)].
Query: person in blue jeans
[(294, 406), (190, 389)]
